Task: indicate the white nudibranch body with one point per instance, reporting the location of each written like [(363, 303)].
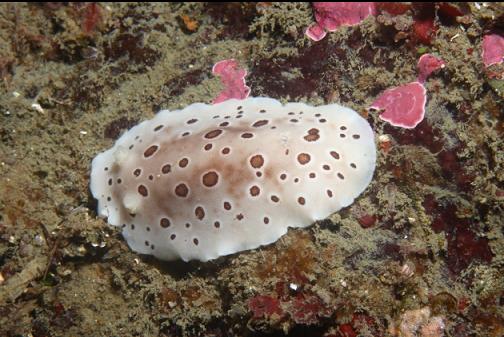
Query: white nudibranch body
[(212, 180)]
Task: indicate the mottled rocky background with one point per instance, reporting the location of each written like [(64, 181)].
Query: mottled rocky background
[(421, 249)]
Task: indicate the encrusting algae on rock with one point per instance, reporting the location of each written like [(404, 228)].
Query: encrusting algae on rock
[(212, 180)]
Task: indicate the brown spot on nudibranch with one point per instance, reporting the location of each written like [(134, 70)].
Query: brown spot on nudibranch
[(303, 158), (226, 150), (143, 190), (166, 168), (164, 223), (301, 200), (199, 212), (257, 161), (260, 123), (213, 134), (313, 135), (247, 135), (255, 190), (335, 155), (227, 205), (181, 190), (150, 151), (183, 162), (210, 179)]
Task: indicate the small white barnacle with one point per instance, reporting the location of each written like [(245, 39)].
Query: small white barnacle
[(231, 176)]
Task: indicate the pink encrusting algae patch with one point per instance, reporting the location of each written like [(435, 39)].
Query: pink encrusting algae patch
[(233, 79), (427, 64), (332, 15), (493, 49), (404, 106), (316, 32)]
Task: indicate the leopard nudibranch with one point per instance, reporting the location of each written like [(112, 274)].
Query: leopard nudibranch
[(212, 180)]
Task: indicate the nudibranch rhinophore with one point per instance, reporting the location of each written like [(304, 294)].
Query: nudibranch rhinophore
[(212, 180)]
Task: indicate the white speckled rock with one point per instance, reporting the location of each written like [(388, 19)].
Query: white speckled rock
[(212, 180)]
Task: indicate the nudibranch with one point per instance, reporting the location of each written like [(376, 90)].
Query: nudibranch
[(212, 180)]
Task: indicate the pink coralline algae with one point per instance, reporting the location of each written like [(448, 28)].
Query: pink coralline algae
[(404, 106), (332, 15), (233, 80), (493, 49), (427, 64)]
